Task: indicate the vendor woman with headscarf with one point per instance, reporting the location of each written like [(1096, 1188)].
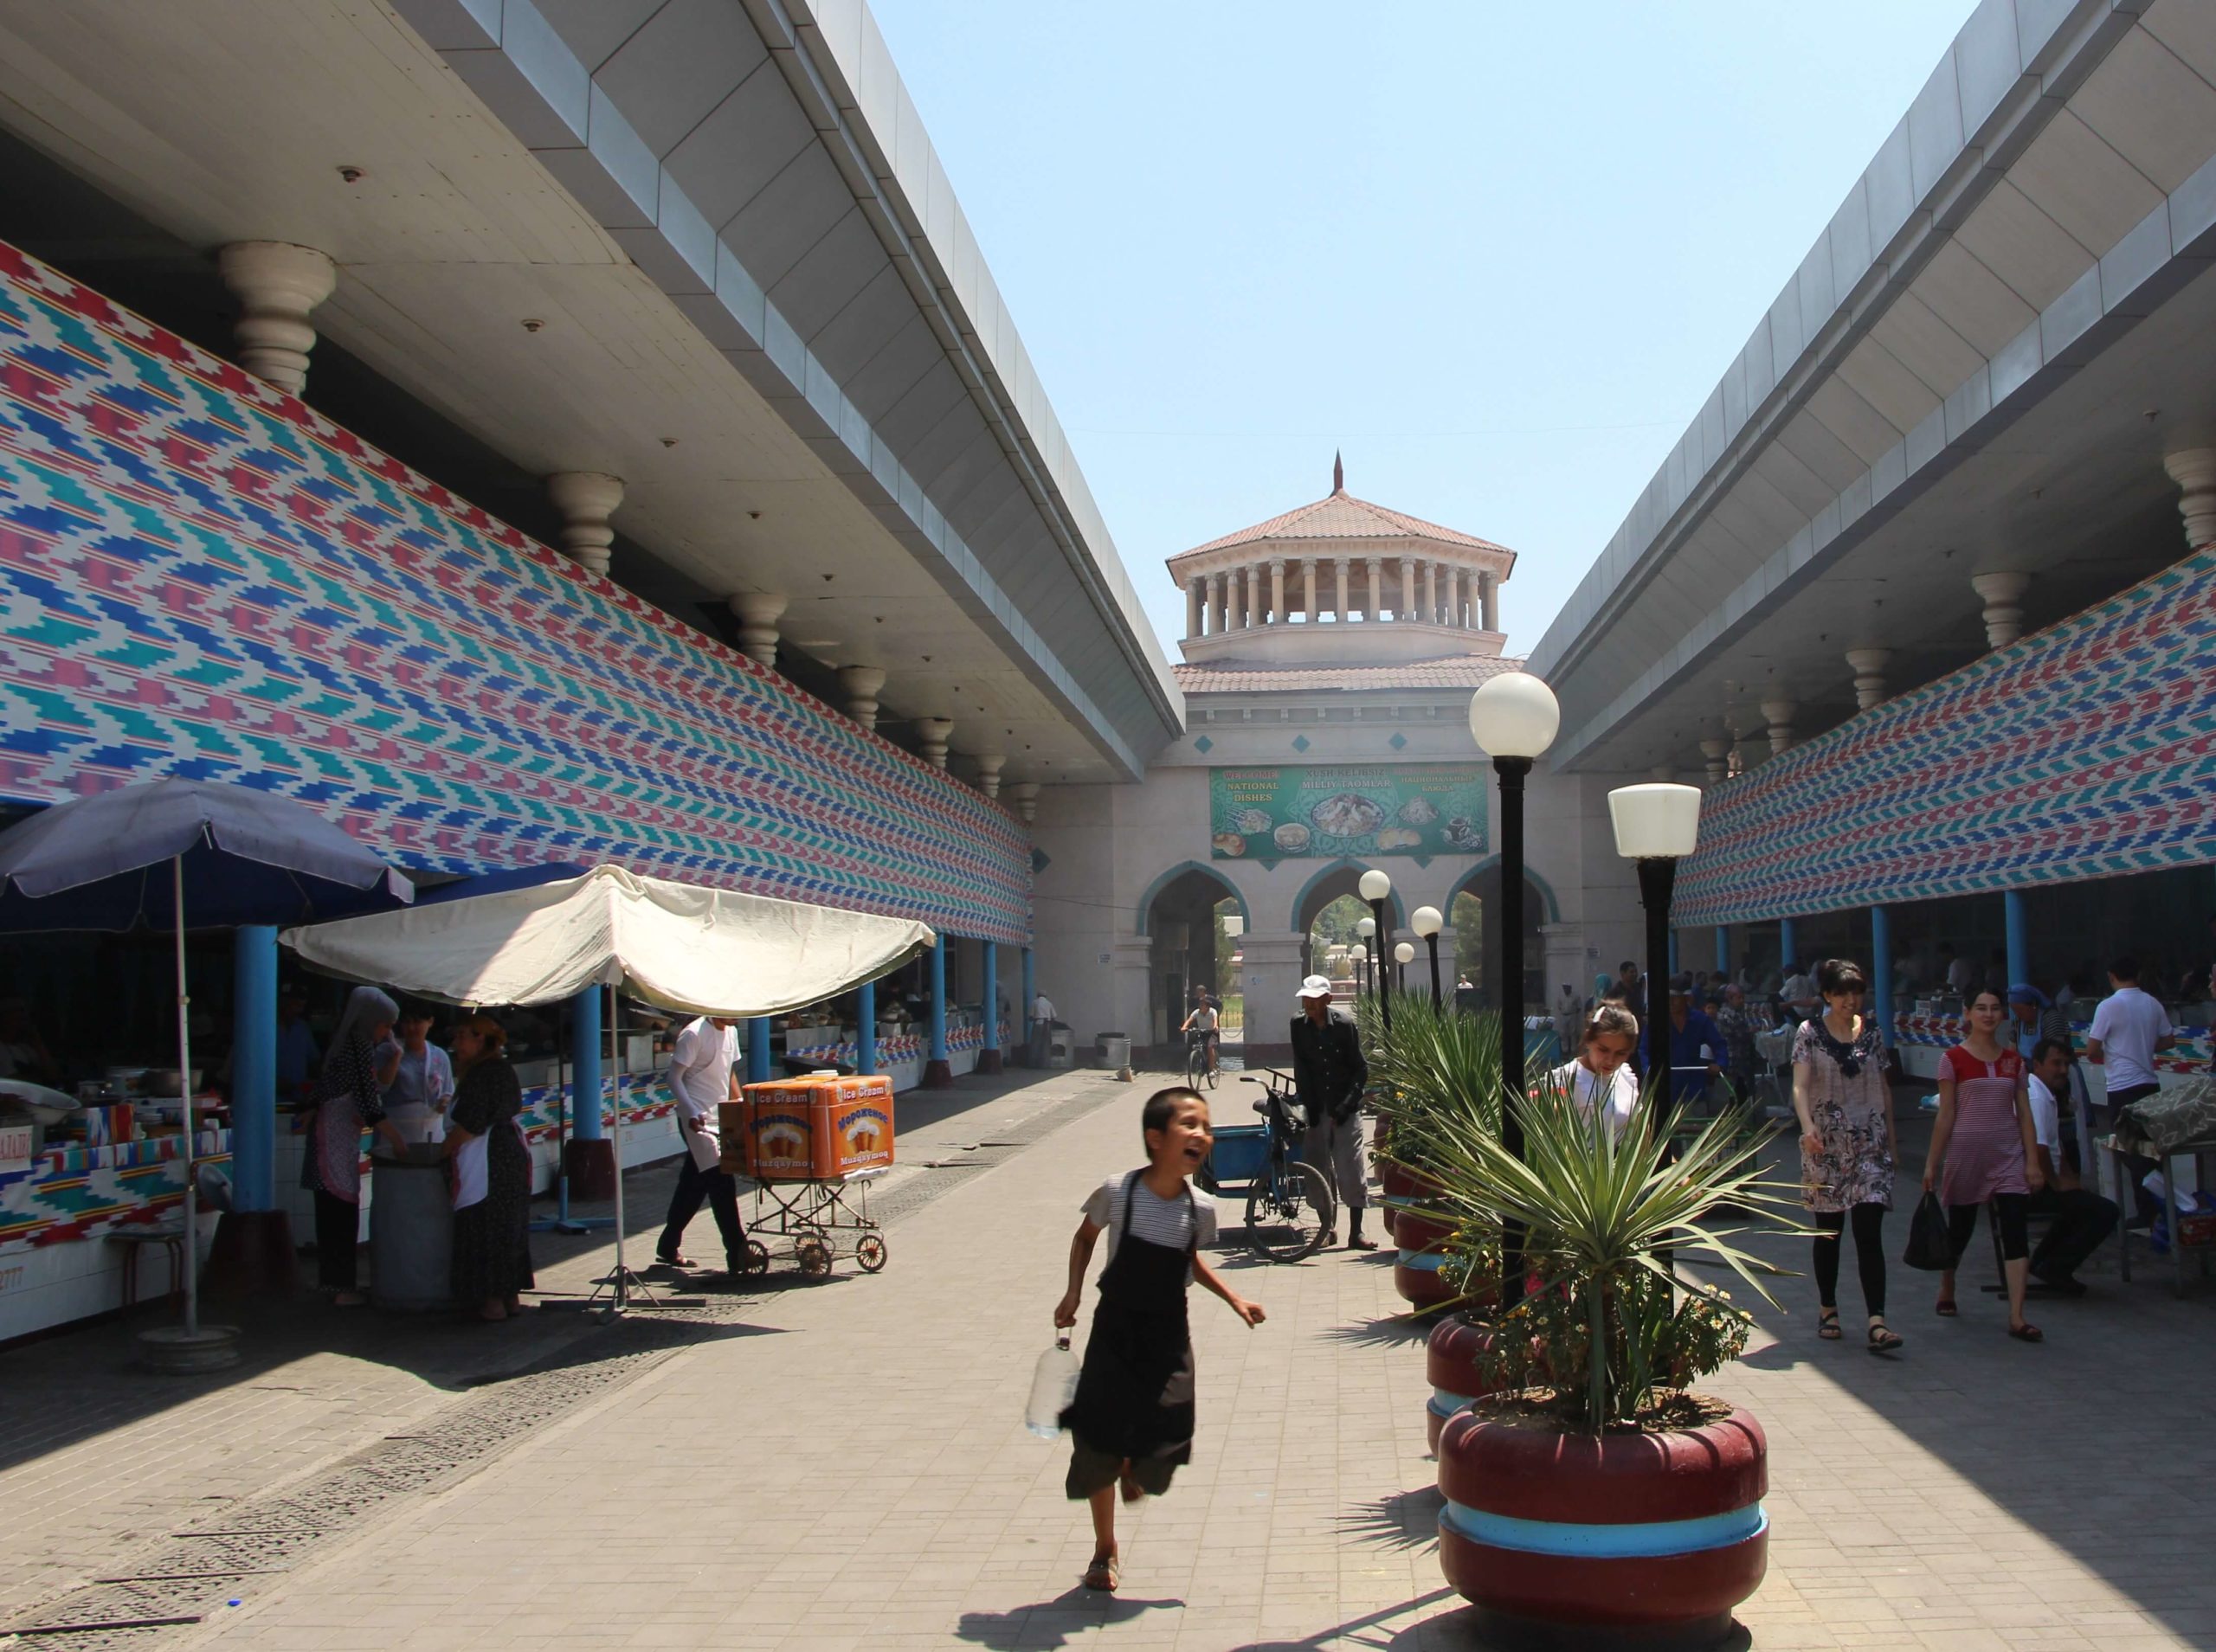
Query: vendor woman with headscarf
[(492, 1175), (348, 1098)]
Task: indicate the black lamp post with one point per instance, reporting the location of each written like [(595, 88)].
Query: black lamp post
[(1376, 887), (1657, 825), (1403, 956), (1366, 930), (1427, 920), (1514, 719)]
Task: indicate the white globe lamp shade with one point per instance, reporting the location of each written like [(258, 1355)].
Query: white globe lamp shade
[(1366, 928), (1375, 886), (1406, 952), (1514, 715), (1235, 926), (1655, 821), (1426, 920)]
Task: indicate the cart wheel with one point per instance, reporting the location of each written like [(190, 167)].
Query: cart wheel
[(869, 1252), (757, 1257), (814, 1259)]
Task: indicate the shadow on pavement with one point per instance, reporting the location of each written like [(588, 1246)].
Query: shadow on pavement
[(1407, 1520), (1070, 1617)]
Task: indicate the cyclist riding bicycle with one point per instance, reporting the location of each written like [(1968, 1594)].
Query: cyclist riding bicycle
[(1205, 1023)]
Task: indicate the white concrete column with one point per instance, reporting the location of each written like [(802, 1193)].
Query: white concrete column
[(932, 734), (1717, 755), (1454, 616), (1025, 794), (1196, 595), (862, 685), (1489, 602), (2195, 472), (758, 613), (1339, 565), (1218, 615), (1373, 602), (1869, 666), (586, 500), (1277, 590), (1565, 951), (1431, 593), (990, 764), (1269, 974), (1406, 607), (1779, 715), (276, 284), (2004, 612), (1308, 589), (1250, 603)]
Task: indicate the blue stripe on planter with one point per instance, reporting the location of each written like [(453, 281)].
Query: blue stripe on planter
[(1641, 1540), (1427, 1260), (1444, 1403)]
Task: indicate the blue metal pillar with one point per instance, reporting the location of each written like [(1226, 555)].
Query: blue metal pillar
[(1723, 950), (2018, 936), (866, 1027), (1786, 952), (585, 1066), (1881, 972), (937, 1075), (254, 1067), (989, 1059), (757, 1049)]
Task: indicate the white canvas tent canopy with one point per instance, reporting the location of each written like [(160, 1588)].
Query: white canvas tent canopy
[(696, 950)]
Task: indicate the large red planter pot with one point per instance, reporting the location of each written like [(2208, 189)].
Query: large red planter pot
[(1564, 1540), (1451, 1365)]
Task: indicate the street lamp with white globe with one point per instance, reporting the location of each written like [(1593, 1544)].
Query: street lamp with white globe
[(1657, 825), (1514, 719), (1367, 929), (1427, 921), (1403, 956), (1376, 888)]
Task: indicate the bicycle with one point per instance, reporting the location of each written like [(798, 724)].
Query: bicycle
[(1202, 1065), (1289, 1210)]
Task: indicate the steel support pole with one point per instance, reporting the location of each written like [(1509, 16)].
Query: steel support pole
[(1432, 941), (1507, 964), (1383, 983)]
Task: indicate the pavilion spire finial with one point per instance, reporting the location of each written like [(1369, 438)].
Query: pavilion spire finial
[(1338, 473)]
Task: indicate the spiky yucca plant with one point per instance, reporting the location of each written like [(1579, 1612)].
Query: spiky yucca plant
[(1606, 1216)]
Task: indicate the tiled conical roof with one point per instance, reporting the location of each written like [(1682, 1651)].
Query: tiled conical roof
[(1341, 515)]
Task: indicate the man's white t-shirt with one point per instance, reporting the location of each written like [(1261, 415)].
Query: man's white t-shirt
[(1205, 1019), (699, 1068), (1797, 989), (1959, 976), (1616, 1097), (2127, 1023), (1042, 1008), (2046, 1117), (1168, 1221)]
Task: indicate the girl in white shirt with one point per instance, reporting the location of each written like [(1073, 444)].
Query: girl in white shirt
[(1601, 1081)]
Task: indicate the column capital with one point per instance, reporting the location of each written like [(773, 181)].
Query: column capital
[(862, 685), (1025, 795), (1778, 714), (2004, 614), (758, 613), (1869, 666), (586, 500), (932, 734), (2194, 469), (277, 284), (990, 764)]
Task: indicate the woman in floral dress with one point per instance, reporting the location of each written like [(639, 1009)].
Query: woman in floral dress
[(1848, 1146), (1985, 1139)]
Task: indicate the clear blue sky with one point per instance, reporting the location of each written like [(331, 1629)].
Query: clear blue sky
[(1497, 253)]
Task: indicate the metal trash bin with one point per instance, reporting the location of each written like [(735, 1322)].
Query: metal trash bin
[(1061, 1046), (1115, 1049), (411, 1231)]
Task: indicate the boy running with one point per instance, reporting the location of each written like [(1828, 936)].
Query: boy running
[(1131, 1422)]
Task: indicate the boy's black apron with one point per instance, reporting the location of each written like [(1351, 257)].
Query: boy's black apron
[(1135, 1394)]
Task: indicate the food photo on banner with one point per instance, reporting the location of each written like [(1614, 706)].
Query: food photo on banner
[(1282, 813)]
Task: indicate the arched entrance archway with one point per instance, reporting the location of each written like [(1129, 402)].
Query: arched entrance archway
[(1476, 896), (1180, 917), (1341, 879)]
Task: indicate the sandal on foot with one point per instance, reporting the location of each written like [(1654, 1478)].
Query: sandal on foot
[(675, 1261), (1827, 1324), (1104, 1574), (1945, 1308), (2027, 1333), (1883, 1339)]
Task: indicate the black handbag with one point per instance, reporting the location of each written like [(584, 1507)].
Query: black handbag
[(1929, 1247)]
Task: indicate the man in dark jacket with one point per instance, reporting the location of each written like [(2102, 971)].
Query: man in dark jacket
[(1328, 1075)]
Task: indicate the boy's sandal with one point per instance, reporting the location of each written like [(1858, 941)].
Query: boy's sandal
[(1104, 1574), (1884, 1340), (1827, 1324), (1945, 1308), (2026, 1333)]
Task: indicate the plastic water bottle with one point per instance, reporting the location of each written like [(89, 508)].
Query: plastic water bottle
[(1054, 1384)]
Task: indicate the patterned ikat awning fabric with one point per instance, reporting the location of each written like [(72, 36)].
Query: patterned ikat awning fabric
[(199, 576), (2088, 750)]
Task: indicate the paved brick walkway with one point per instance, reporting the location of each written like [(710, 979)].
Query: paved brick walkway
[(855, 1475)]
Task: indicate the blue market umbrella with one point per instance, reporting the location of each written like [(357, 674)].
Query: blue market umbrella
[(179, 854)]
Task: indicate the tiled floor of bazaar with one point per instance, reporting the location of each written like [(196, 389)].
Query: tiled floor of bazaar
[(843, 1464)]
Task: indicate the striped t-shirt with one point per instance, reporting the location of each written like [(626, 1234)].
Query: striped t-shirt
[(1158, 1221)]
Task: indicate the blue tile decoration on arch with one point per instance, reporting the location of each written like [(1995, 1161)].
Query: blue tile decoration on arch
[(1300, 742), (1204, 745), (1397, 741), (2087, 750), (200, 574)]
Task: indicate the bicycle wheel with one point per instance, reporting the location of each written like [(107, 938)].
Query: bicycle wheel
[(1196, 1061), (1212, 1063), (1289, 1214)]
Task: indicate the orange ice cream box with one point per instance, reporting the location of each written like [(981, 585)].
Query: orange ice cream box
[(778, 1141), (854, 1125)]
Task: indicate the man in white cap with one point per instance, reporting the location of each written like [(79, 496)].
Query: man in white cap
[(1328, 1075)]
